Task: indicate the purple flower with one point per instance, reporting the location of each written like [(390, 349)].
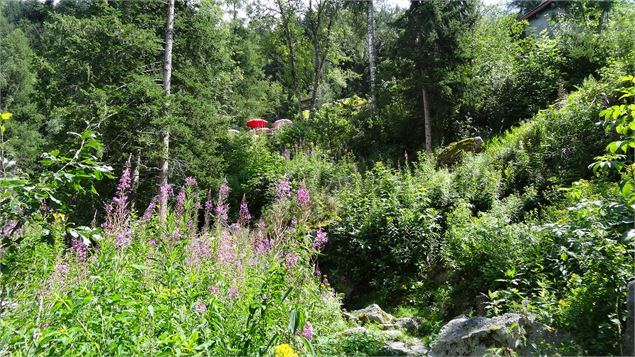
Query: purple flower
[(291, 261), (59, 274), (208, 206), (283, 189), (117, 211), (190, 181), (214, 289), (200, 250), (8, 228), (176, 234), (125, 179), (180, 202), (232, 293), (221, 213), (151, 208), (302, 194), (166, 191), (124, 238), (318, 272), (262, 244), (320, 239), (225, 249), (80, 248), (152, 242), (223, 191), (200, 307), (307, 332), (244, 216)]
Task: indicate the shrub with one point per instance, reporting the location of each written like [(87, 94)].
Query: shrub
[(169, 287)]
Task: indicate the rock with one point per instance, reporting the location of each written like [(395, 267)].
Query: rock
[(350, 317), (453, 152), (373, 313), (281, 123), (628, 340), (263, 131), (387, 326), (474, 336), (393, 334), (410, 324), (400, 348), (355, 331)]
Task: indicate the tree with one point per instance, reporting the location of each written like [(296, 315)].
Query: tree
[(288, 15), (165, 135), (431, 43), (320, 18), (372, 55), (17, 90)]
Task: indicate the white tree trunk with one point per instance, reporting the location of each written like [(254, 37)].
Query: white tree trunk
[(372, 59), (165, 135)]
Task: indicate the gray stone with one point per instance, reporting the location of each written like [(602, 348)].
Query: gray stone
[(410, 324), (474, 336), (400, 348), (628, 341), (387, 326), (373, 313), (393, 334), (350, 317), (355, 331)]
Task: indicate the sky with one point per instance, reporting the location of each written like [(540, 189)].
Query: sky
[(406, 3)]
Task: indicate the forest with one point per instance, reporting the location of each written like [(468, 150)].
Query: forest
[(317, 177)]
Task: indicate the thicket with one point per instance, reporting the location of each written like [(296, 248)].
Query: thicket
[(524, 226), (515, 228)]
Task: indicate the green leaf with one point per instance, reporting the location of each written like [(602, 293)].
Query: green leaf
[(309, 347), (5, 116)]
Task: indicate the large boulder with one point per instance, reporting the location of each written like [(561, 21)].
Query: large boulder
[(629, 331), (475, 336), (373, 313), (280, 123), (453, 152)]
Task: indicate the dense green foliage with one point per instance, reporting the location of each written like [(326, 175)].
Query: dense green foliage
[(340, 206)]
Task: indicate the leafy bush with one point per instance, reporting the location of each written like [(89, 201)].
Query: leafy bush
[(386, 233), (147, 286)]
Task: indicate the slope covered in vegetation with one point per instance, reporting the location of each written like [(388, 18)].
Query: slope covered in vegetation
[(262, 241)]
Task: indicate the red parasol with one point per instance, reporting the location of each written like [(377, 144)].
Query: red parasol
[(257, 123)]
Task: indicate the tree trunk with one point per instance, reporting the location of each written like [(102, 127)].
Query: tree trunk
[(165, 135), (290, 45), (372, 60), (427, 120), (135, 180), (320, 50)]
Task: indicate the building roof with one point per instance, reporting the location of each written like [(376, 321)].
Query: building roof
[(538, 9)]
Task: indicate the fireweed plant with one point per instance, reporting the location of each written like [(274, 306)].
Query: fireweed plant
[(196, 283)]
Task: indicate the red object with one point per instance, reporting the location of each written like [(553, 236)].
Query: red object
[(257, 123)]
